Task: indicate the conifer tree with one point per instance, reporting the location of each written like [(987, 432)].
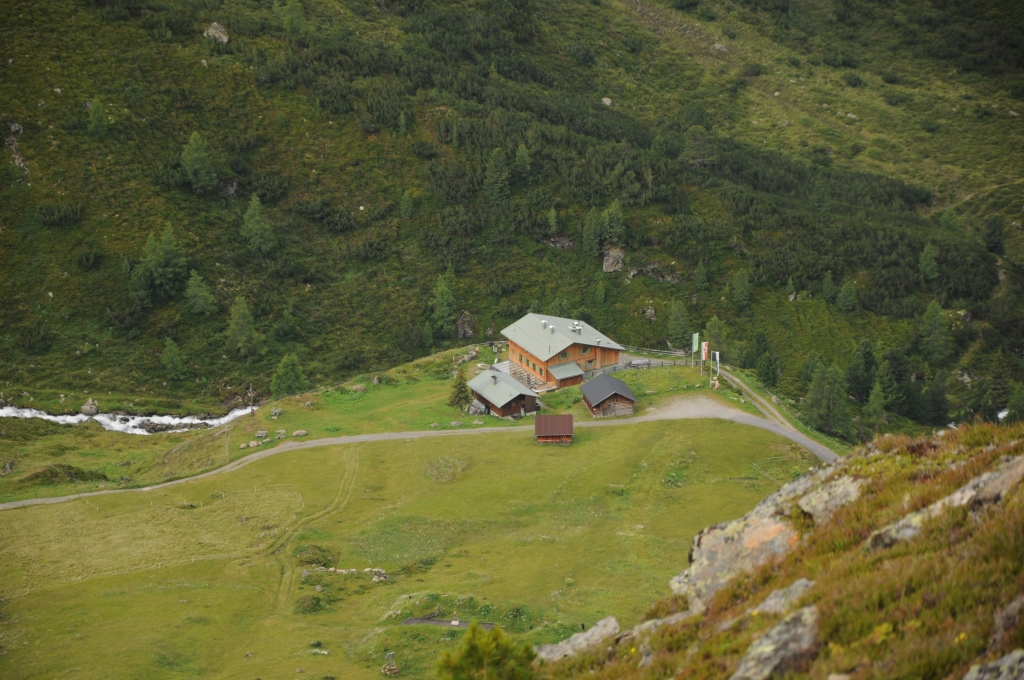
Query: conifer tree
[(892, 392), (97, 120), (741, 288), (599, 292), (700, 276), (808, 368), (1000, 380), (592, 229), (826, 402), (768, 369), (487, 655), (860, 372), (461, 395), (241, 335), (1015, 407), (790, 289), (442, 304), (552, 221), (173, 361), (612, 225), (401, 124), (678, 325), (288, 379), (828, 288), (197, 164), (716, 335), (522, 163), (874, 411), (198, 297), (847, 301), (936, 340), (927, 265), (256, 230), (162, 268), (496, 178), (406, 207)]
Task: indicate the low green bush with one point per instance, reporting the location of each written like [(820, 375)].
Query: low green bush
[(58, 213)]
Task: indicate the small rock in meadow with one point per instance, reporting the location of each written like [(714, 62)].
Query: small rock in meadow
[(243, 445), (8, 467), (607, 101), (456, 423), (319, 589), (299, 433), (90, 408), (253, 444), (359, 388), (261, 434), (216, 32)]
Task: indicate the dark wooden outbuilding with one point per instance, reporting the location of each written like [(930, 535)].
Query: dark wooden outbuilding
[(553, 429), (607, 396)]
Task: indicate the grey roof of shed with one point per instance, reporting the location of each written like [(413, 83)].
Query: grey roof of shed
[(603, 386), (499, 388), (565, 371), (545, 341)]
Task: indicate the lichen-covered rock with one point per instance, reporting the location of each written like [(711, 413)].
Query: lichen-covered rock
[(90, 408), (823, 502), (1006, 620), (1010, 667), (602, 630), (780, 601), (216, 32), (985, 489), (722, 551), (464, 325), (613, 259), (789, 643), (299, 433)]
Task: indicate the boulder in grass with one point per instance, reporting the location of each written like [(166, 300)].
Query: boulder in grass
[(243, 445), (253, 444), (216, 32), (580, 642), (299, 433), (790, 644), (90, 408)]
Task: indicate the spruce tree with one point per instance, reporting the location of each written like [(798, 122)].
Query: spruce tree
[(496, 178), (443, 307), (288, 379), (847, 301), (936, 340), (241, 335), (173, 361), (678, 325), (808, 368), (741, 288), (198, 297), (592, 229), (768, 368), (198, 167), (401, 124), (613, 226), (790, 289), (927, 265), (1015, 407), (522, 166), (860, 372), (892, 392), (993, 235), (97, 120), (162, 266), (1000, 380), (487, 655), (826, 402), (700, 276), (256, 230), (599, 292), (716, 335), (874, 411), (461, 395), (552, 221), (828, 288), (406, 207)]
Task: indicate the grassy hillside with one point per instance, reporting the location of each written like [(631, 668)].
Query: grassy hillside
[(206, 578), (395, 142)]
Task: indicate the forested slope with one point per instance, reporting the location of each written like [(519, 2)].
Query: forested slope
[(412, 160)]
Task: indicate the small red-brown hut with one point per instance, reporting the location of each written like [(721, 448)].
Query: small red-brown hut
[(553, 429)]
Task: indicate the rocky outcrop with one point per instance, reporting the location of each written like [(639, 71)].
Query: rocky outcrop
[(1010, 667), (781, 601), (580, 642), (613, 259), (1006, 619), (464, 325), (985, 489), (216, 32), (722, 551), (90, 408), (823, 502), (8, 468), (790, 643), (299, 433)]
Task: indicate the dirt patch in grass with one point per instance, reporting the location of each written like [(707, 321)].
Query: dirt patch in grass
[(61, 474)]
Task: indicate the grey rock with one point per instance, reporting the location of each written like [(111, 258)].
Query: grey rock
[(253, 444), (645, 629), (359, 388), (90, 408), (456, 423), (216, 32), (376, 380), (824, 501), (1006, 619), (723, 551), (464, 325), (649, 313), (613, 259), (15, 128), (775, 400), (985, 489), (1010, 667), (299, 433), (319, 588), (790, 642), (228, 187), (560, 242), (261, 434), (8, 468), (607, 101), (780, 601), (276, 413), (580, 642), (3, 403)]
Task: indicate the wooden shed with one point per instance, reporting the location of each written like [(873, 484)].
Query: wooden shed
[(553, 429), (607, 396), (502, 395)]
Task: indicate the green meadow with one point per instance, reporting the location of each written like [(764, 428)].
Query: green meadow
[(189, 580)]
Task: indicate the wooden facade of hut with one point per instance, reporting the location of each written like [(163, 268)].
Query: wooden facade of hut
[(607, 396), (502, 395), (553, 429), (554, 352)]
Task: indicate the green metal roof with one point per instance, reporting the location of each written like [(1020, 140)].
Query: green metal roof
[(499, 388), (564, 371), (545, 336)]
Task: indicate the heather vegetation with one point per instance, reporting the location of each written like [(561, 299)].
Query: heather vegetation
[(339, 181)]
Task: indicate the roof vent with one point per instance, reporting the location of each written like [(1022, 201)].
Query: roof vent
[(552, 328), (494, 380), (544, 323)]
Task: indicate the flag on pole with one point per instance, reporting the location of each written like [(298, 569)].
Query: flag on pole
[(704, 351), (696, 342), (718, 362)]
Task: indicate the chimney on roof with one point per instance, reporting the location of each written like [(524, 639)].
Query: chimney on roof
[(544, 323), (494, 380)]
